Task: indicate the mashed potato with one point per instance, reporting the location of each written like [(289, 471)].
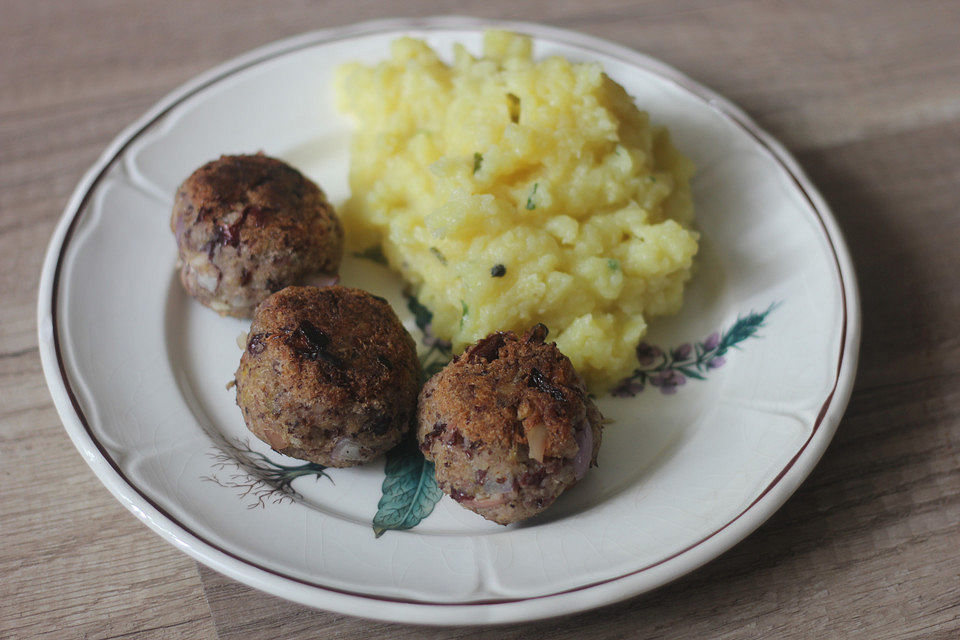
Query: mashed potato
[(510, 192)]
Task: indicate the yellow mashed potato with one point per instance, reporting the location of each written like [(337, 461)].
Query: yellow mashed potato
[(546, 168)]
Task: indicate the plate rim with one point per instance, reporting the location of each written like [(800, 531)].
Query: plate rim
[(311, 594)]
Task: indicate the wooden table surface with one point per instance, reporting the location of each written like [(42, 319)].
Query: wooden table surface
[(866, 94)]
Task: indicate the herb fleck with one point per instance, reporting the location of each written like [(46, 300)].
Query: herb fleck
[(531, 205), (498, 271), (613, 264), (477, 161), (652, 178), (513, 104), (439, 256), (464, 310)]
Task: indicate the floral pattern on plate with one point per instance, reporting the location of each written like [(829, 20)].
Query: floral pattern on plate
[(409, 491), (668, 369)]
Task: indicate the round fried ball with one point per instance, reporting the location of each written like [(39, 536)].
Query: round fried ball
[(509, 426), (249, 225), (328, 375)]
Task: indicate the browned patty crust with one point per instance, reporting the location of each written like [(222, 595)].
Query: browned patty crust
[(509, 426), (249, 225), (328, 375)]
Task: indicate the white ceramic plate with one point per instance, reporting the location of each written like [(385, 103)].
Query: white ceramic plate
[(138, 371)]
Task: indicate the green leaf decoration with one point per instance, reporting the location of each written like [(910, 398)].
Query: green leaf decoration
[(439, 352), (432, 368), (744, 328), (690, 373), (256, 476), (421, 314), (410, 490), (669, 369), (374, 254)]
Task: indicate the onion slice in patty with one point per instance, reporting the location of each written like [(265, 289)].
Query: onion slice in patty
[(537, 441)]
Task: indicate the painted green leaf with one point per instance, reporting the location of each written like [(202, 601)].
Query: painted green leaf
[(670, 368), (257, 476), (690, 373), (422, 316), (745, 327), (432, 368), (439, 351), (410, 490), (374, 254)]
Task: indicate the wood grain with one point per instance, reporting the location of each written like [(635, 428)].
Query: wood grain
[(868, 96)]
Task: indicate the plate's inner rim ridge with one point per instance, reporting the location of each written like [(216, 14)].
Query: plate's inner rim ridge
[(379, 27)]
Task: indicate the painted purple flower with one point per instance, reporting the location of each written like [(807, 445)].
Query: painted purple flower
[(711, 342), (647, 353), (715, 363), (682, 352), (627, 388), (668, 381)]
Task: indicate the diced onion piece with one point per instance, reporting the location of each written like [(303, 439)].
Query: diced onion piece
[(207, 280), (581, 461), (322, 280), (487, 503), (347, 450), (537, 441)]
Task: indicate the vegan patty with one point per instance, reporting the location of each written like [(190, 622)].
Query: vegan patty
[(509, 426), (249, 225), (328, 375)]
